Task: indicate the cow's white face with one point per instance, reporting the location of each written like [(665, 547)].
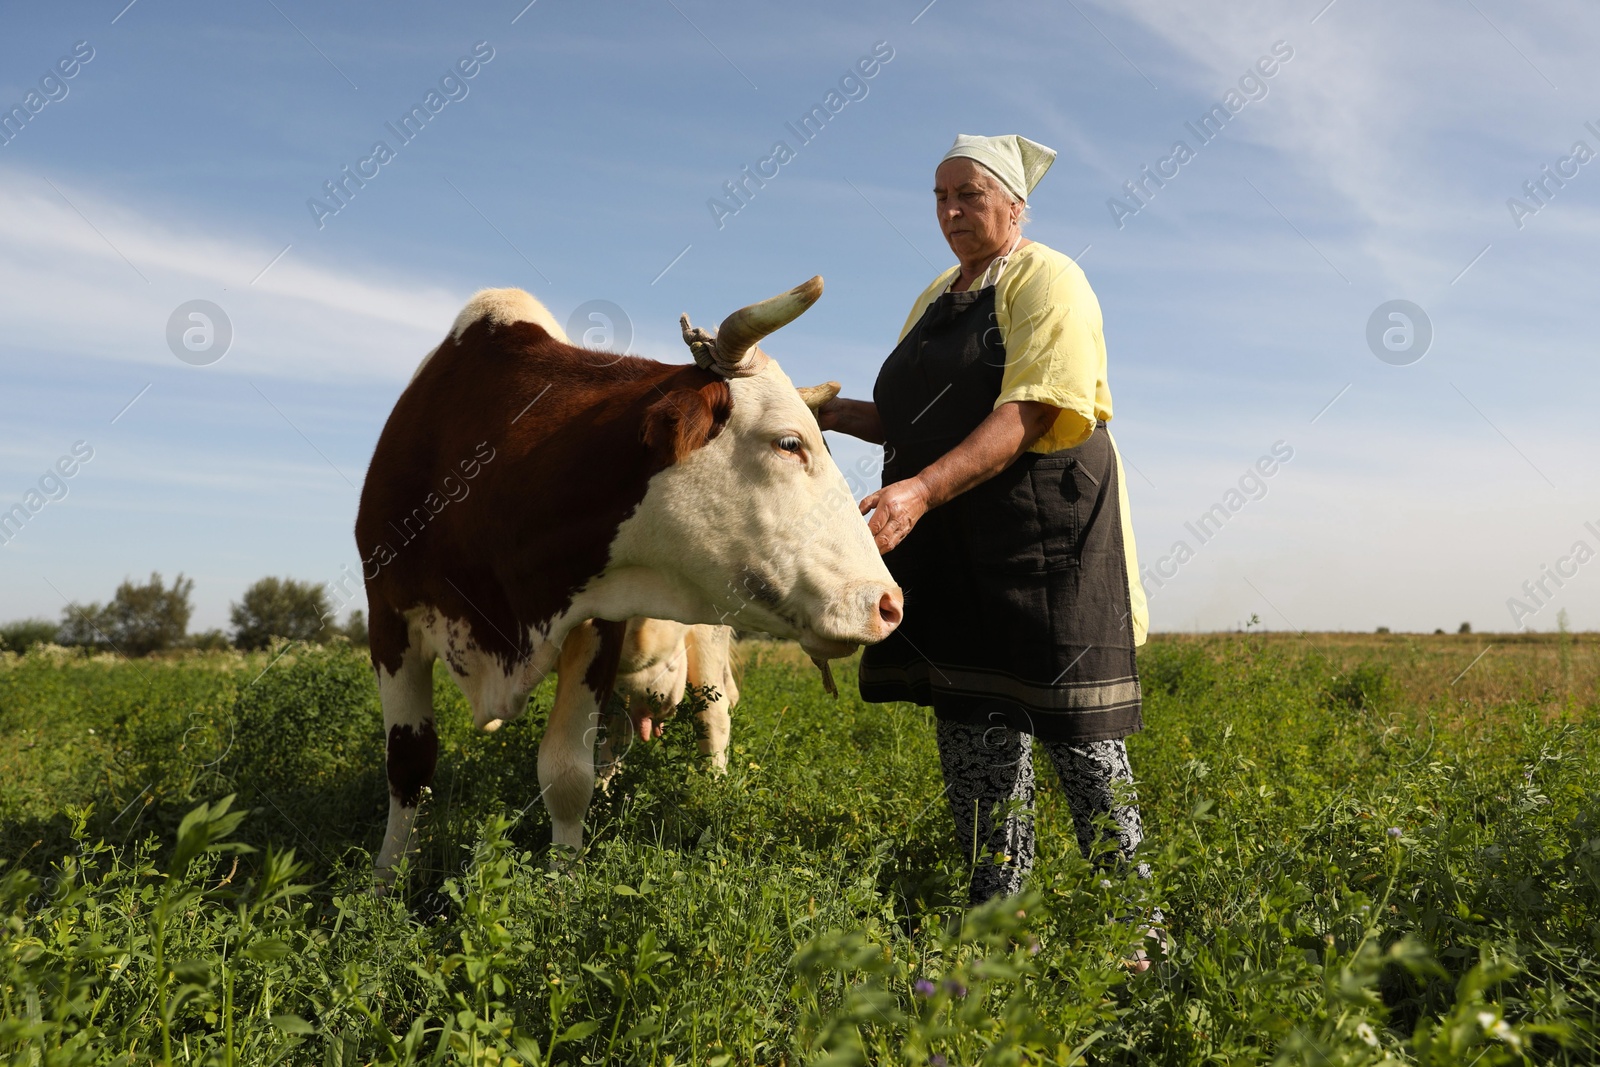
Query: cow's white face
[(761, 524)]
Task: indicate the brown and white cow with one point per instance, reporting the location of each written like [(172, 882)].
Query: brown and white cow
[(522, 486)]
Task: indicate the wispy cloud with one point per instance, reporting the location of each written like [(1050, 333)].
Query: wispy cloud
[(64, 287), (1385, 109)]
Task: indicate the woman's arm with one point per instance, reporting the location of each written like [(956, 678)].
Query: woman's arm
[(858, 418), (988, 450)]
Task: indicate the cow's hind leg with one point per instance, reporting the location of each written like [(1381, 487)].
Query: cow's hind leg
[(587, 673), (710, 652), (412, 749)]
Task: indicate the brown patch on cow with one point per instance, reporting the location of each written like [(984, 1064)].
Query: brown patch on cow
[(387, 636), (412, 755), (561, 444), (601, 677)]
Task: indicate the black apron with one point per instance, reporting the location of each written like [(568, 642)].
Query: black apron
[(1017, 609)]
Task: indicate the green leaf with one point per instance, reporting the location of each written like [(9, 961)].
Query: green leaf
[(195, 971), (529, 1052), (267, 950), (292, 1024), (624, 890), (578, 1031)]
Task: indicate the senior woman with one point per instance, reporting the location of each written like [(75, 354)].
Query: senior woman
[(1004, 517)]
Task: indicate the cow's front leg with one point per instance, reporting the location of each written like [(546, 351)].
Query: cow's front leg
[(587, 672), (411, 750)]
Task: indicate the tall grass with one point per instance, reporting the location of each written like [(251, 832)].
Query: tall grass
[(1359, 862)]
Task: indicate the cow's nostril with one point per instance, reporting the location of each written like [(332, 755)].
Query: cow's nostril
[(889, 609)]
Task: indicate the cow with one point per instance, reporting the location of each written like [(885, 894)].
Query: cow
[(660, 661), (523, 486)]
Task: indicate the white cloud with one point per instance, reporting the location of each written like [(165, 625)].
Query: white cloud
[(1395, 111), (104, 282)]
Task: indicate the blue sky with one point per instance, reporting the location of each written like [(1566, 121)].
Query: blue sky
[(1375, 164)]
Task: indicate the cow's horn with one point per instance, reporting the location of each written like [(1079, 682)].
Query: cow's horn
[(733, 353), (740, 332), (817, 395)]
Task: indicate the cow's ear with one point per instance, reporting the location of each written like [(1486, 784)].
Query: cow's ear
[(686, 419), (817, 395)]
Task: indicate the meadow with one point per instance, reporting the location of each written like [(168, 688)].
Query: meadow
[(1370, 849)]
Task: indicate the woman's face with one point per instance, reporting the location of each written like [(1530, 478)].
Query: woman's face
[(977, 215)]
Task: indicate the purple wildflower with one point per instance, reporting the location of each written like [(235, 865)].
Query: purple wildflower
[(955, 988), (923, 987), (937, 1060), (1394, 831)]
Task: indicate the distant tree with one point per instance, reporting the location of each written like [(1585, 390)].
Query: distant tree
[(23, 634), (209, 641), (1383, 629), (80, 626), (1464, 628), (355, 628), (1440, 631), (280, 607), (140, 619)]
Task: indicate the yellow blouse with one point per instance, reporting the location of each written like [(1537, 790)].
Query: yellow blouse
[(1049, 320)]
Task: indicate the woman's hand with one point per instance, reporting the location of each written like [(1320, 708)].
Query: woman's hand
[(896, 508), (988, 450)]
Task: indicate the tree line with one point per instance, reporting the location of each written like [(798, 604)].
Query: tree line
[(152, 616)]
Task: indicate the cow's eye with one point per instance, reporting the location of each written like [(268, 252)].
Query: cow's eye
[(790, 443)]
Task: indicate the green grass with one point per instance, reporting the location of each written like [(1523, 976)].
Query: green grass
[(1360, 863)]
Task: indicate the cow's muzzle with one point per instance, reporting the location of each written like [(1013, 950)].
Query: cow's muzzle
[(877, 611)]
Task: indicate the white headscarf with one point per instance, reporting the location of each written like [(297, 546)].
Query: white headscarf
[(1018, 162)]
